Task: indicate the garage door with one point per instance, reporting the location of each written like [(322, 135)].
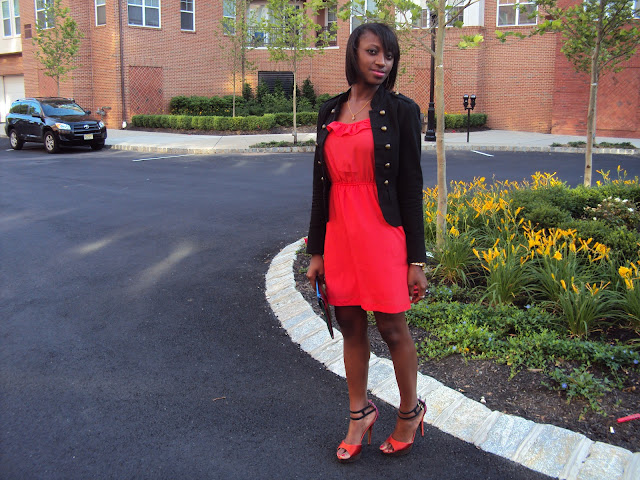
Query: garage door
[(11, 88)]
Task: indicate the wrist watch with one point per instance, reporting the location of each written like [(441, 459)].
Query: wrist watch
[(419, 264)]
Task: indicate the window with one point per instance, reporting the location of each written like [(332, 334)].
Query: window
[(257, 36), (186, 15), (43, 19), (509, 12), (370, 6), (10, 18), (144, 13), (229, 17), (101, 12), (455, 12), (636, 9)]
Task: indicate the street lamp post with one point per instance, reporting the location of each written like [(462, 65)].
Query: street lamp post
[(468, 108), (430, 136)]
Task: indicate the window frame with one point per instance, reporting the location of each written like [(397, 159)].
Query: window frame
[(104, 7), (192, 12), (369, 6), (229, 21), (48, 23), (515, 4), (143, 8), (636, 8)]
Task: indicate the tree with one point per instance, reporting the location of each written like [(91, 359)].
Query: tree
[(598, 35), (235, 41), (57, 41), (292, 34), (403, 16)]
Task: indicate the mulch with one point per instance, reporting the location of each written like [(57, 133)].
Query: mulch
[(523, 395)]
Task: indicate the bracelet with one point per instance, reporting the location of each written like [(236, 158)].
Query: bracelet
[(418, 264)]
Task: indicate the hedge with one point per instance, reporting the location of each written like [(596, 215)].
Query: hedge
[(248, 123), (264, 122)]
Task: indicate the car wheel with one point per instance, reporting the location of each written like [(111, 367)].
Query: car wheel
[(51, 143), (97, 146), (16, 143)]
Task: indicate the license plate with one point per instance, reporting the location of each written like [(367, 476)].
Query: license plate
[(88, 136)]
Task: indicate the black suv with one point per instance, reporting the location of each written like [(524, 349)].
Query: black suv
[(56, 122)]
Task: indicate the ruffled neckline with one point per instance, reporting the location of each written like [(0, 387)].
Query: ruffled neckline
[(341, 129)]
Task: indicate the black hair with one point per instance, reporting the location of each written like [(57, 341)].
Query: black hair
[(389, 44)]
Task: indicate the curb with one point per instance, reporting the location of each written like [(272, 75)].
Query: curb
[(551, 450), (310, 149)]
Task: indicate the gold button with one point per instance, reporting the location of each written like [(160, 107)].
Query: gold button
[(388, 146), (386, 182), (319, 162), (322, 179), (397, 92), (324, 125), (316, 144), (386, 165), (382, 112), (383, 128), (333, 110)]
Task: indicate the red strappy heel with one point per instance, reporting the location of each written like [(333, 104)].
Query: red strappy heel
[(354, 451), (402, 448)]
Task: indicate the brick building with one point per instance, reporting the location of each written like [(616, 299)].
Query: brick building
[(137, 54)]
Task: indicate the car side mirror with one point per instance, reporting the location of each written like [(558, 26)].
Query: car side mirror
[(36, 115), (88, 112)]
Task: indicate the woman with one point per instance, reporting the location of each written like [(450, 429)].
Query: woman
[(366, 235)]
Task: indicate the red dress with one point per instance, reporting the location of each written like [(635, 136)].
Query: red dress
[(365, 258)]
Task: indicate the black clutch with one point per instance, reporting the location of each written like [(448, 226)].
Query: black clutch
[(324, 305)]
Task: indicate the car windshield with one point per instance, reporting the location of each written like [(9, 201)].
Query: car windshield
[(61, 109)]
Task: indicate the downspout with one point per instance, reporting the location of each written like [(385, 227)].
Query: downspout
[(123, 107)]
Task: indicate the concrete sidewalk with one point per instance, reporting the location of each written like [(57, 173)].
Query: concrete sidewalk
[(492, 140)]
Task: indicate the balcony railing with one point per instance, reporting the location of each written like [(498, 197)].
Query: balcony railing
[(321, 40)]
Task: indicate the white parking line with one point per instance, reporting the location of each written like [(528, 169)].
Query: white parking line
[(160, 158), (482, 153)]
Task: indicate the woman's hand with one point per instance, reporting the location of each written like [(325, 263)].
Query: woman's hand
[(417, 283), (316, 269)]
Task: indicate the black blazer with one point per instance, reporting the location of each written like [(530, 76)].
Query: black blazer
[(395, 122)]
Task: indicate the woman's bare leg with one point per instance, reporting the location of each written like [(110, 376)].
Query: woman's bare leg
[(353, 326), (395, 332)]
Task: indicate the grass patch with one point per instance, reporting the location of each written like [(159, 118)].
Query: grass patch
[(282, 143)]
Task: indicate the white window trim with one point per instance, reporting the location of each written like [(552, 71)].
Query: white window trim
[(144, 25), (15, 29), (517, 24), (44, 2), (369, 6), (104, 5), (193, 16), (636, 7)]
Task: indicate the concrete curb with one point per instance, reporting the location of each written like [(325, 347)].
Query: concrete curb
[(310, 149), (551, 450)]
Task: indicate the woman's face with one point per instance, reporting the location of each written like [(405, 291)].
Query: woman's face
[(373, 62)]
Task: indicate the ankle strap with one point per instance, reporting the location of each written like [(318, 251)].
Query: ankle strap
[(363, 413), (413, 413)]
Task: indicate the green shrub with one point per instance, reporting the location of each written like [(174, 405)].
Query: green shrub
[(323, 97), (622, 242), (307, 118), (222, 123), (308, 92), (247, 92), (284, 119), (304, 105)]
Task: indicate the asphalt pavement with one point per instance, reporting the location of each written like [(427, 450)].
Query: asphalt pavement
[(135, 344)]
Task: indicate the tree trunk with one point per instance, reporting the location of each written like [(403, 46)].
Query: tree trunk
[(441, 218), (233, 108), (295, 75), (593, 98)]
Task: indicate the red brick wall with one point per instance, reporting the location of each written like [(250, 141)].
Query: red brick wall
[(617, 108), (522, 85), (11, 64)]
